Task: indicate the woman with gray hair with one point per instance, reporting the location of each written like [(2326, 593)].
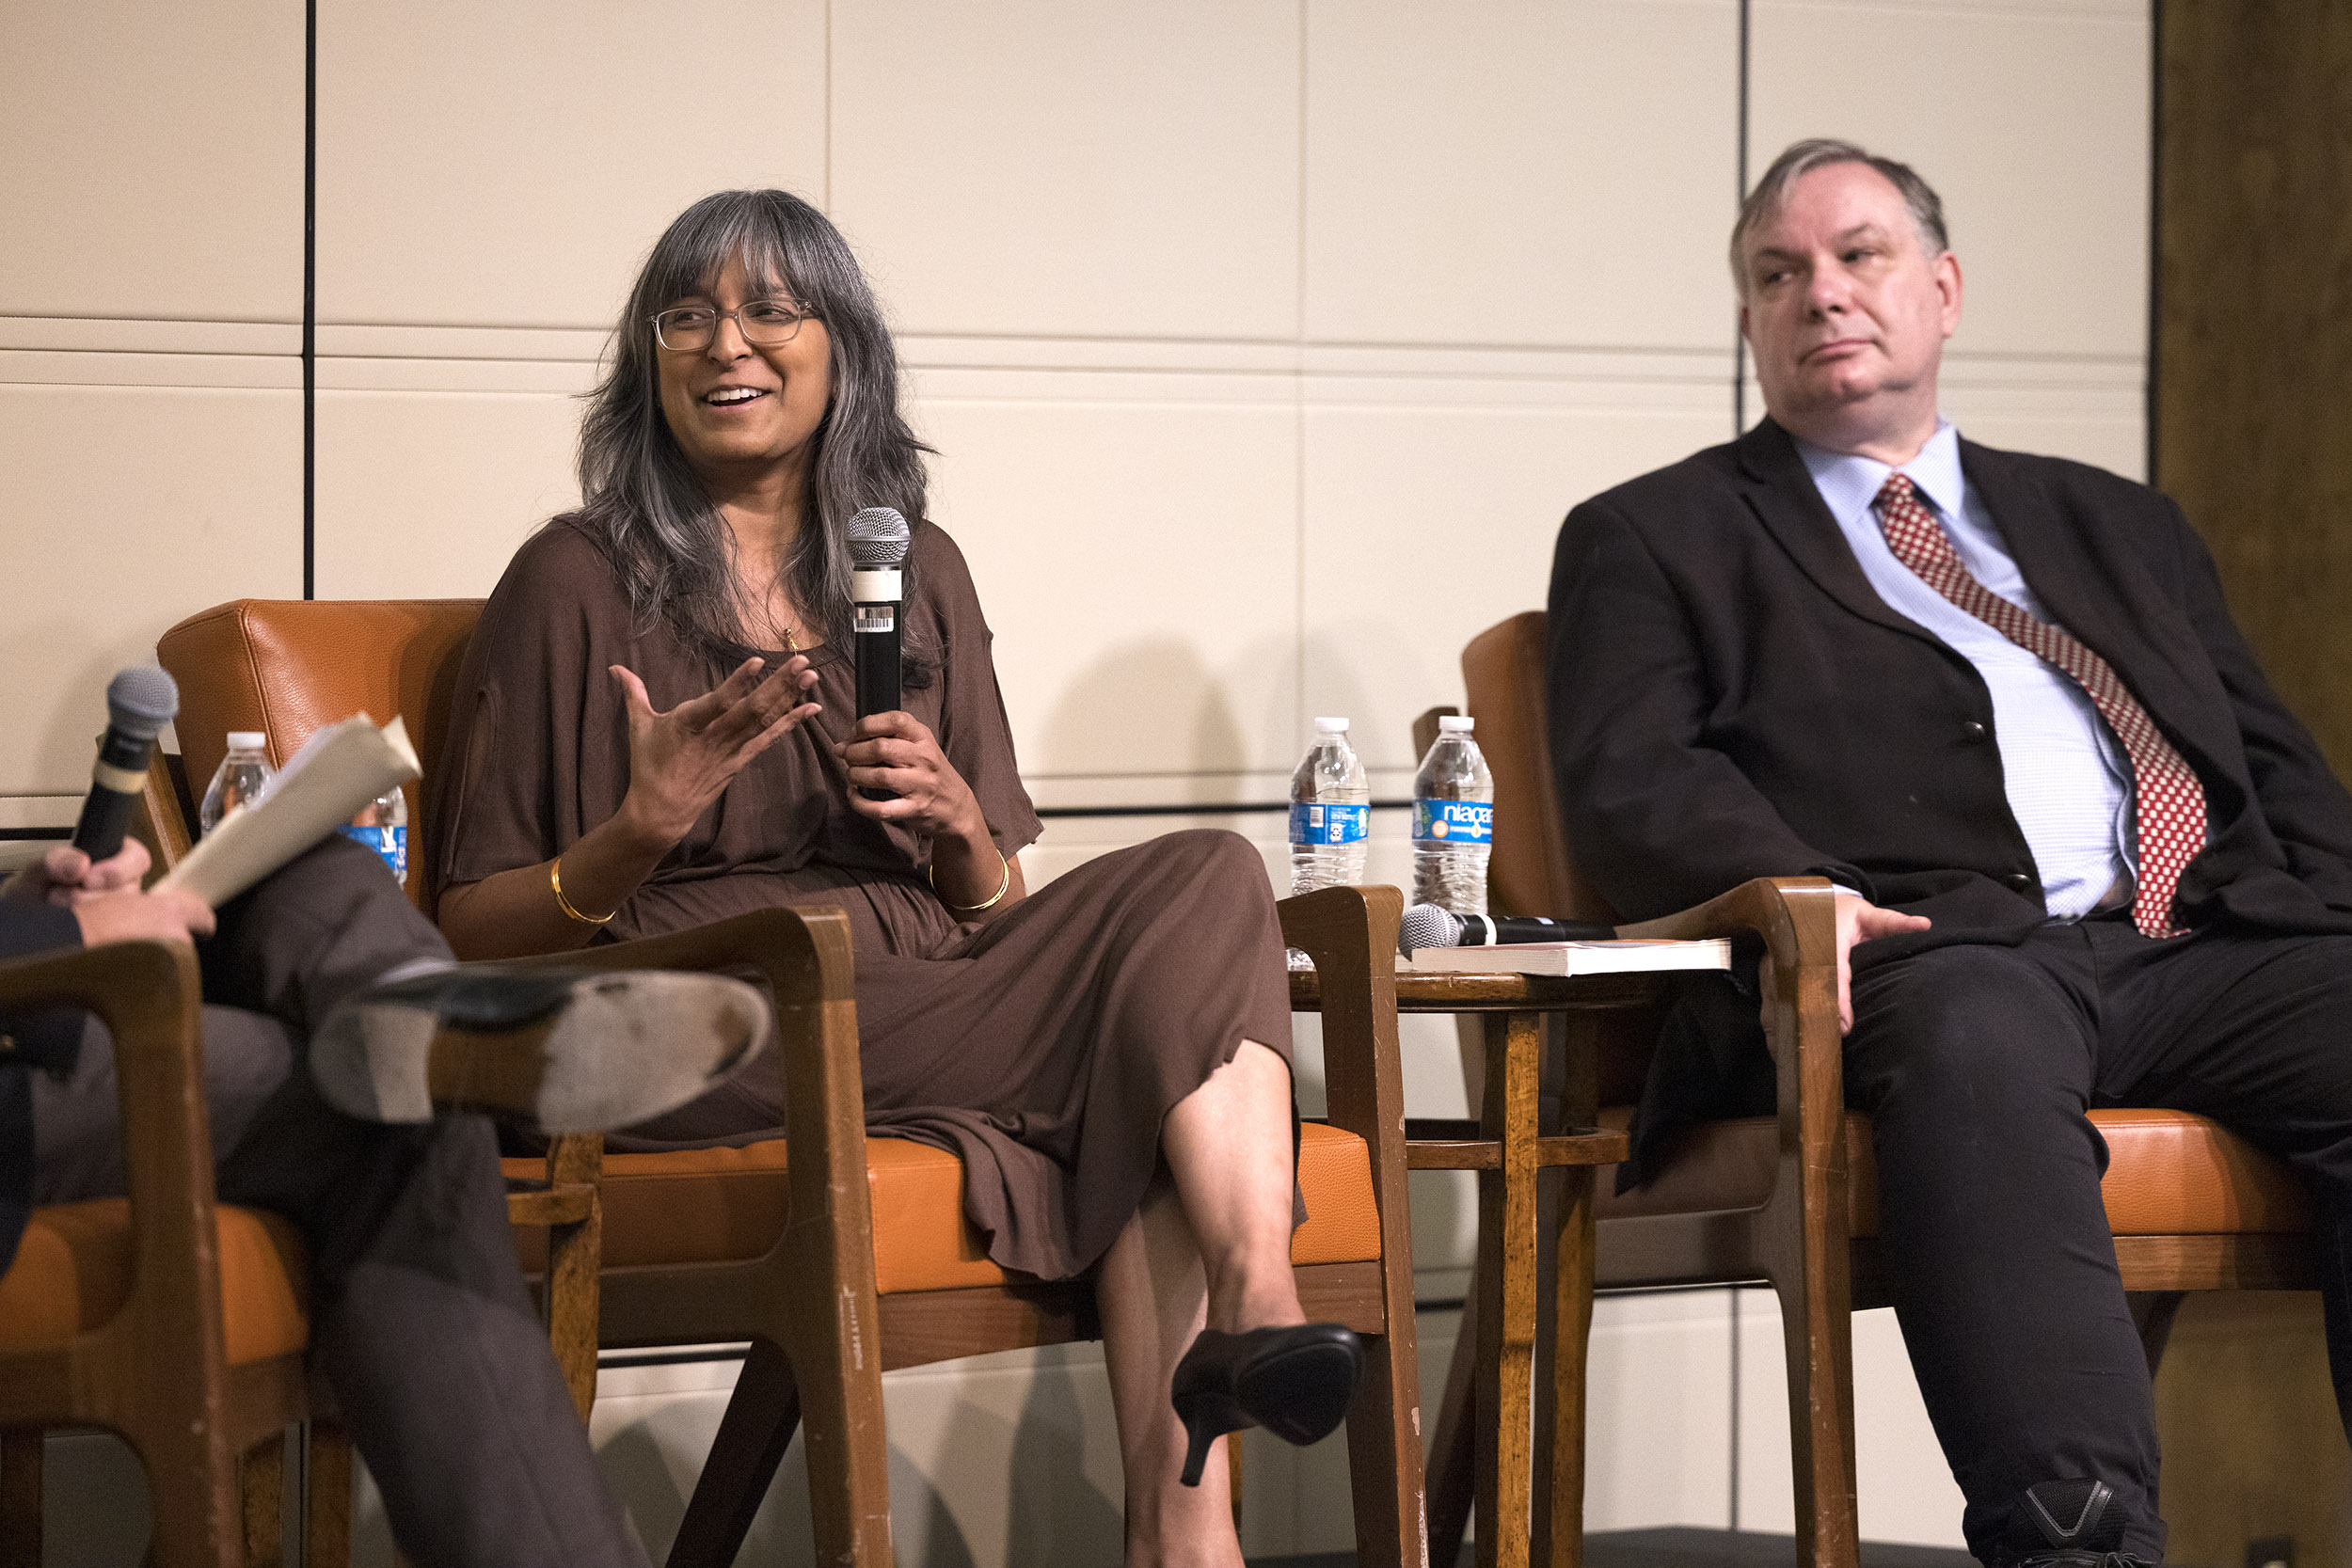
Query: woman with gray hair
[(654, 728)]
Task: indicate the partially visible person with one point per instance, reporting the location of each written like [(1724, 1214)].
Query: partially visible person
[(2085, 856), (655, 726), (419, 1321)]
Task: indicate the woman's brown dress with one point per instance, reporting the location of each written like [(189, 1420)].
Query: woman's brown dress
[(1043, 1049)]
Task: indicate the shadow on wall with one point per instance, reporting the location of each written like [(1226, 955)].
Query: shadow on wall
[(1157, 707), (72, 717), (1056, 1514)]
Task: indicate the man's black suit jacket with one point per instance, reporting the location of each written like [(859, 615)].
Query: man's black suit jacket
[(1729, 698)]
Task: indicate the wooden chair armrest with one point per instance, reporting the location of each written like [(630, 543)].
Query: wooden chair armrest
[(162, 821), (1350, 933), (149, 996), (1797, 919), (804, 956)]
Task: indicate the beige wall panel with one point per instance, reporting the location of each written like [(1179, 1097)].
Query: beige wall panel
[(510, 165), (1070, 167), (1521, 174), (150, 160), (2031, 121), (188, 497), (1659, 1412), (1139, 565), (426, 495), (1427, 525), (1907, 1491)]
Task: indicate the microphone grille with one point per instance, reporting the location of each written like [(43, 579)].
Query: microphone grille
[(142, 699), (1427, 925), (878, 539)]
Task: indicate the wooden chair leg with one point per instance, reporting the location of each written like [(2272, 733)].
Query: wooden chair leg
[(1233, 1477), (1820, 1347), (2153, 1312), (1384, 1459), (574, 1254), (1563, 1541), (1453, 1474), (20, 1463), (326, 1497), (198, 1487), (752, 1435), (263, 1483), (1507, 1275)]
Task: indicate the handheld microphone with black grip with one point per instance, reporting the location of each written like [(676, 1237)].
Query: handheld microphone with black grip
[(139, 702), (878, 548), (1428, 926)]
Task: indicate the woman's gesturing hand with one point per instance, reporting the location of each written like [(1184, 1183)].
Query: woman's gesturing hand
[(897, 752), (680, 761)]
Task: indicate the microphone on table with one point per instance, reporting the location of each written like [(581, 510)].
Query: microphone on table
[(1428, 926), (139, 702), (877, 546)]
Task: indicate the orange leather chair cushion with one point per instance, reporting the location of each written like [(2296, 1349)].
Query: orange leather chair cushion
[(72, 1273), (715, 1204), (291, 667), (2168, 1174)]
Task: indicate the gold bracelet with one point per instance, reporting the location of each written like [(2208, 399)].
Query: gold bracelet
[(555, 880), (1004, 885)]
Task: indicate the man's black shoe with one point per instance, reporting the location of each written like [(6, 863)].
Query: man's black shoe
[(2075, 1521)]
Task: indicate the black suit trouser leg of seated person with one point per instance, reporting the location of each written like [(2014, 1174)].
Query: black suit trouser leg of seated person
[(420, 1319), (1976, 1065)]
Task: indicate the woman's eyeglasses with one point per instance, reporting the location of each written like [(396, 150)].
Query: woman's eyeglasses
[(765, 322)]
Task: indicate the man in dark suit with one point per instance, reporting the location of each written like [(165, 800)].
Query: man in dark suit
[(419, 1319), (2085, 856)]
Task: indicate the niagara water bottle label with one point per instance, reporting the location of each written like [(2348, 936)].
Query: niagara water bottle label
[(1331, 824), (1454, 821), (390, 842)]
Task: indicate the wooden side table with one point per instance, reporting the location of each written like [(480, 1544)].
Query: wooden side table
[(1506, 1147)]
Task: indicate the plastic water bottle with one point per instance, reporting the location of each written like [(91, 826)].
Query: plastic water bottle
[(383, 827), (241, 781), (1454, 821), (1330, 816)]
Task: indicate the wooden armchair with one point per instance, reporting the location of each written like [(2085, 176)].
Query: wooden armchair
[(1791, 1199), (175, 1322), (854, 1256)]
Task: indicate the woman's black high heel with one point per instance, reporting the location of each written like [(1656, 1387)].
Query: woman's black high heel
[(1294, 1381)]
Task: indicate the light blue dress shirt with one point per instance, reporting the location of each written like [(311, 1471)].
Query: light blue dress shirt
[(2067, 777)]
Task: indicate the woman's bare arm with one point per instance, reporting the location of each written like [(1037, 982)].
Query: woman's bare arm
[(679, 761)]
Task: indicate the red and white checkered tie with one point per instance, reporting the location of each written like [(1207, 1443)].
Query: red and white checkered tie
[(2171, 801)]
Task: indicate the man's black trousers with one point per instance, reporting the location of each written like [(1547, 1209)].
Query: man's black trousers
[(1976, 1065)]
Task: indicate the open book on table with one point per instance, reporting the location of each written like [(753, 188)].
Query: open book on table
[(338, 771), (1568, 957)]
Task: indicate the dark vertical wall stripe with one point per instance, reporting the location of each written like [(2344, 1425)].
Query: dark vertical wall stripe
[(2253, 336), (310, 296)]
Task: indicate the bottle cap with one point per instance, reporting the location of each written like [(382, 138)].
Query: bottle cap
[(1332, 726), (247, 740), (1456, 724)]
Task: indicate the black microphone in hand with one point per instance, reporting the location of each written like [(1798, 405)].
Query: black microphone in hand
[(139, 702), (1428, 926), (878, 548)]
